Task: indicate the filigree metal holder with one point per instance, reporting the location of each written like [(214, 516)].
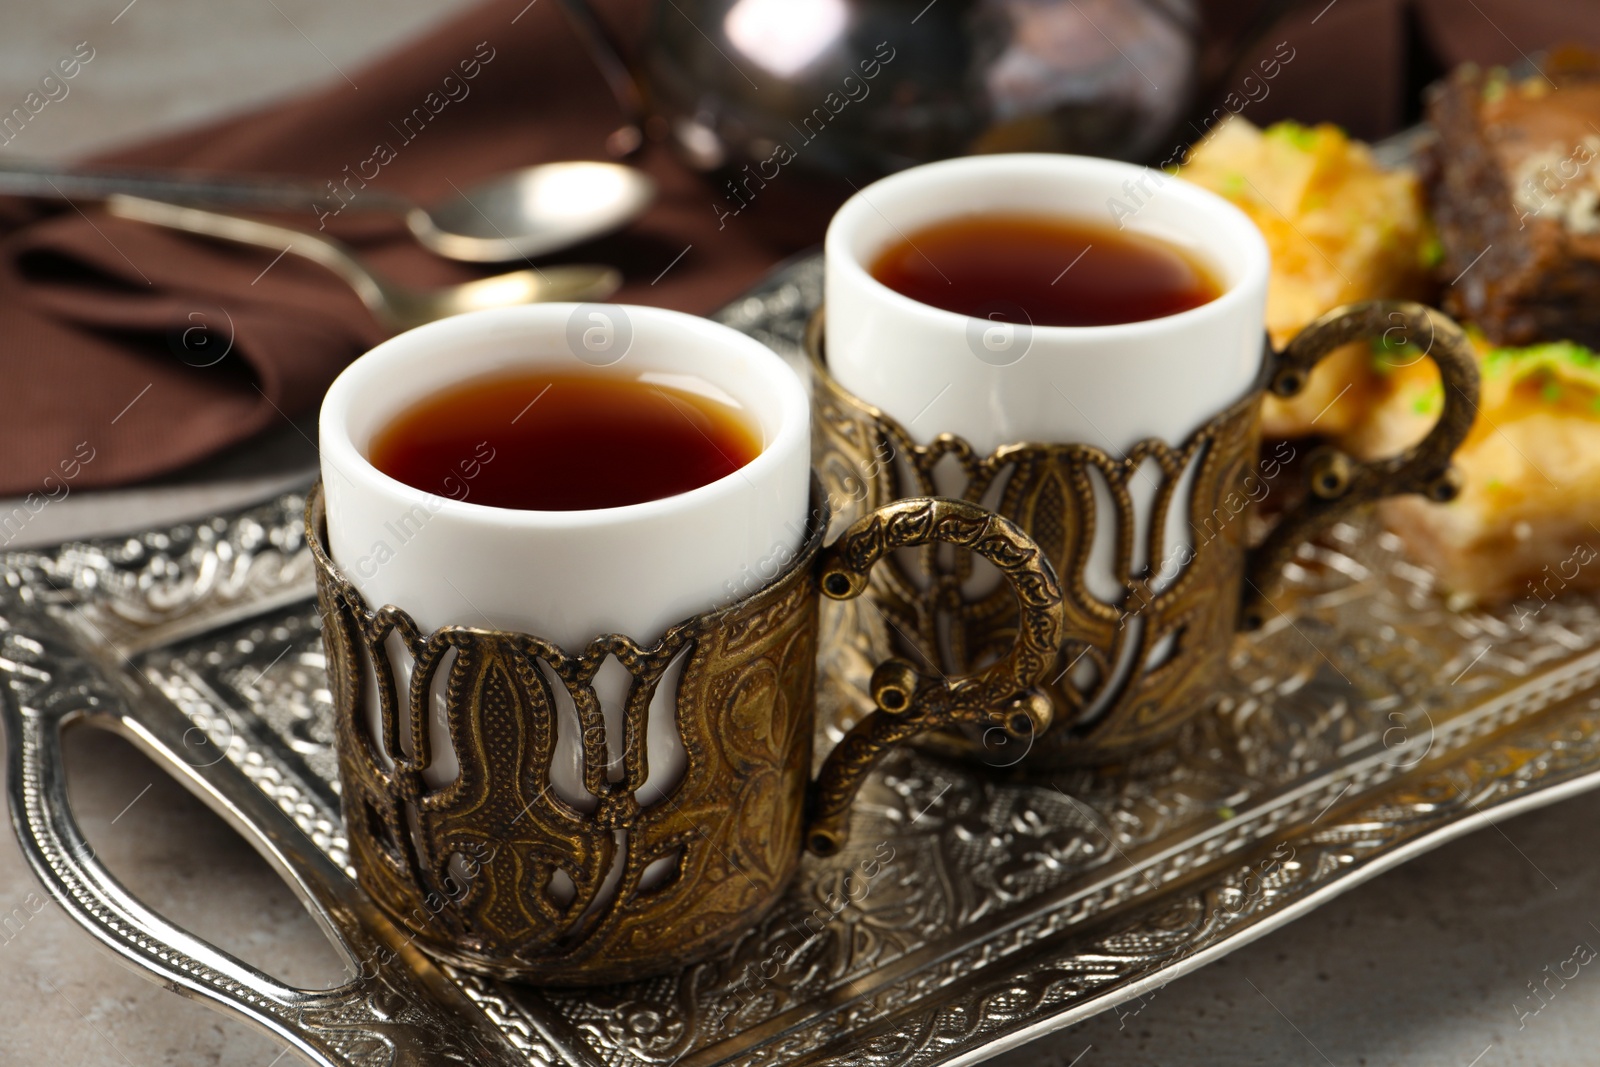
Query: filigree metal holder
[(973, 913), (1134, 665), (467, 866)]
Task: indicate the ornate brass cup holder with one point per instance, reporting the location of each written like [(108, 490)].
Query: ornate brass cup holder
[(467, 867), (966, 914), (1134, 666)]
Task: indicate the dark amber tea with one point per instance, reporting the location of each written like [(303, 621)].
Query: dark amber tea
[(564, 442), (1043, 270)]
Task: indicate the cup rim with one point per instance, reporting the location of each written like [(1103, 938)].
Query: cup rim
[(785, 393), (844, 267)]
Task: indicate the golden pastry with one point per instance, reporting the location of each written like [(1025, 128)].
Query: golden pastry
[(1340, 228), (1526, 525)]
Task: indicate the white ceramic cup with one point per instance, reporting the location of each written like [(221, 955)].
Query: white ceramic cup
[(937, 371), (567, 576)]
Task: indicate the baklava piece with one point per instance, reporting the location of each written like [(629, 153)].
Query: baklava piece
[(1515, 190)]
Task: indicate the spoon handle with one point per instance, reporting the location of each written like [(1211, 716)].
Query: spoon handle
[(390, 304), (321, 250), (97, 183), (604, 51)]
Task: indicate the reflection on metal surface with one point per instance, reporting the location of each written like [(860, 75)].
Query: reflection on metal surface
[(784, 37), (395, 1009), (968, 912), (855, 89)]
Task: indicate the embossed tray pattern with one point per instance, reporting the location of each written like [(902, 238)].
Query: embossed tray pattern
[(972, 910)]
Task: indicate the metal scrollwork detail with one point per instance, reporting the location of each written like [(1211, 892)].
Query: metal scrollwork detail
[(1136, 663), (909, 702), (392, 1013), (468, 867), (1127, 671), (1339, 482)]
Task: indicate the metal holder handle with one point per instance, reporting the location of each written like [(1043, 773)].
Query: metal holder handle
[(399, 1009), (910, 702), (1338, 481)]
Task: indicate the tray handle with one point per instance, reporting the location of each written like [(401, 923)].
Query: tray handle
[(398, 1010)]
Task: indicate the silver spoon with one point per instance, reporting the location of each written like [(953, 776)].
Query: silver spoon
[(396, 306), (533, 211), (517, 215)]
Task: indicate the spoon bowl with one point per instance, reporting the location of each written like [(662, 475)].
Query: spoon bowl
[(404, 308), (532, 211)]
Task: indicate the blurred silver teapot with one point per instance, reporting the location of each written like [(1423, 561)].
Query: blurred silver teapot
[(855, 89)]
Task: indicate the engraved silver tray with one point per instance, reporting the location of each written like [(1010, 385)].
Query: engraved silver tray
[(970, 913)]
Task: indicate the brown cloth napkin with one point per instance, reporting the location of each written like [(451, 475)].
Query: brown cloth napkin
[(110, 331), (113, 334)]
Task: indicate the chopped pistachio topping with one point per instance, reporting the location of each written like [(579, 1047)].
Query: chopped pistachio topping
[(1428, 402), (1390, 354), (1431, 253), (1553, 355), (1553, 369), (1494, 86), (1302, 137)]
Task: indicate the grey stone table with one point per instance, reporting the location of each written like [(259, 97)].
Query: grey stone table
[(1433, 964)]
